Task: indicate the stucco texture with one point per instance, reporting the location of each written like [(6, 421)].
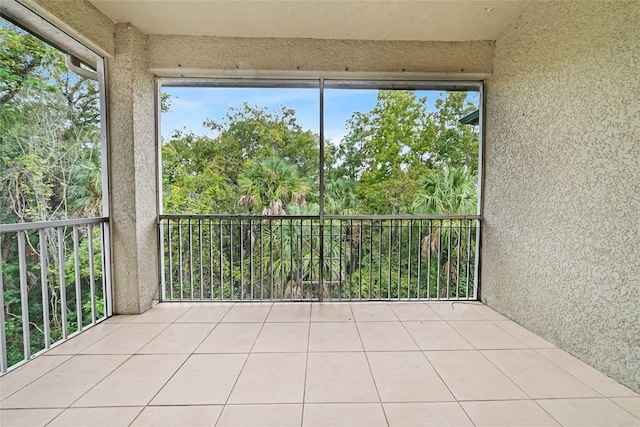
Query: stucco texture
[(560, 248), (193, 56), (81, 20), (133, 186)]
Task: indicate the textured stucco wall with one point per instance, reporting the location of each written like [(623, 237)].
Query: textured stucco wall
[(80, 19), (561, 237), (190, 55), (132, 154)]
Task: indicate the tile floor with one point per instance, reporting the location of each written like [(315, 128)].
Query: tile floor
[(312, 364)]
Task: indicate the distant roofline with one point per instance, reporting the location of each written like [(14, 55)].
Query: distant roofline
[(471, 118)]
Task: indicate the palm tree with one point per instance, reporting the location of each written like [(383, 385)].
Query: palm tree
[(450, 192), (339, 197), (270, 185)]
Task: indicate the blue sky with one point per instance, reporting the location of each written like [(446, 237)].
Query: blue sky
[(192, 105)]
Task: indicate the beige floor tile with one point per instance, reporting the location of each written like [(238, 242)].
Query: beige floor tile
[(61, 386), (120, 318), (271, 378), (406, 377), (134, 383), (606, 386), (98, 417), (373, 312), (537, 376), (486, 335), (204, 379), (331, 312), (290, 312), (167, 312), (261, 415), (426, 415), (248, 312), (436, 336), (339, 378), (27, 373), (487, 312), (174, 416), (341, 336), (283, 338), (631, 404), (230, 338), (27, 417), (88, 337), (470, 376), (385, 336), (407, 311), (588, 412), (523, 334), (343, 414), (507, 413), (127, 339), (205, 312), (455, 311), (178, 338)]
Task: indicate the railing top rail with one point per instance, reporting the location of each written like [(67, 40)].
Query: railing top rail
[(24, 226), (312, 217)]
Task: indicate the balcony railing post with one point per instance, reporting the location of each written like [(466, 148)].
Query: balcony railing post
[(3, 337)]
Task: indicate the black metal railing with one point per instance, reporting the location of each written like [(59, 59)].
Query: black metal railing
[(364, 257)]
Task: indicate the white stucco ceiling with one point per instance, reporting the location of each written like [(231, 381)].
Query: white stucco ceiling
[(443, 20)]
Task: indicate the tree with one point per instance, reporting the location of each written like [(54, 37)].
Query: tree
[(271, 184), (50, 169), (448, 192)]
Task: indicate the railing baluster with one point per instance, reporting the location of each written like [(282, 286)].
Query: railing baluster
[(22, 265), (76, 258), (241, 260), (360, 259), (419, 256), (180, 257), (63, 286), (398, 296), (190, 259), (458, 261), (261, 261), (231, 279), (390, 228), (439, 263), (251, 267), (221, 258), (201, 266), (449, 260), (3, 337), (468, 256), (45, 288), (409, 261), (92, 281), (170, 251), (211, 259)]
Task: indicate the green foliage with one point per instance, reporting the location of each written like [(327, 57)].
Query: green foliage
[(50, 169)]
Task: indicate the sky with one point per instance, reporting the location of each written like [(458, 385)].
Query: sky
[(190, 106)]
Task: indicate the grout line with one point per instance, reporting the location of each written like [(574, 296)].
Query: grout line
[(235, 383), (369, 365), (306, 367)]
